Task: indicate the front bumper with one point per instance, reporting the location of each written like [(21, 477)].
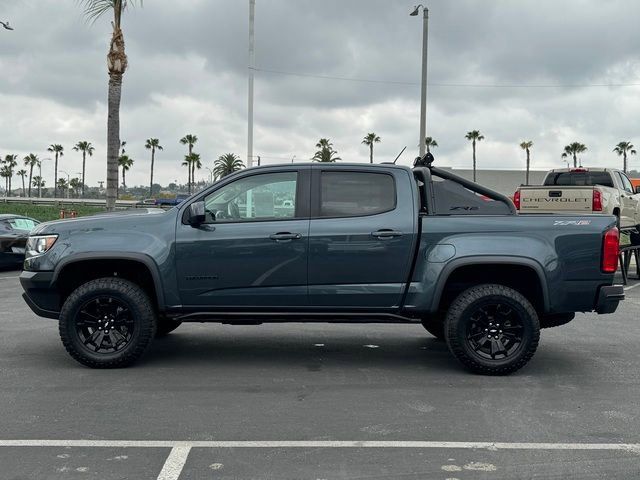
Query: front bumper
[(39, 293), (608, 298)]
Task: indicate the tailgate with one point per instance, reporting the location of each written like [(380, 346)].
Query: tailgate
[(556, 199)]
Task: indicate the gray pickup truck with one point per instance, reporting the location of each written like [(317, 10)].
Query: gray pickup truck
[(331, 243)]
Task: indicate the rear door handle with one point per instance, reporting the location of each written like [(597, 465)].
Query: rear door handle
[(283, 236), (386, 234)]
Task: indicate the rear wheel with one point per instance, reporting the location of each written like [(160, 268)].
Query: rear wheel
[(492, 329), (107, 323)]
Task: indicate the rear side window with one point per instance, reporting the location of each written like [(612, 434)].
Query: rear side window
[(352, 194), (579, 179)]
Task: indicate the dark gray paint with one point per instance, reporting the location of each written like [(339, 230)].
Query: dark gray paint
[(336, 264)]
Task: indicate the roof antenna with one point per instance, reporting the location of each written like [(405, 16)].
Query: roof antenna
[(401, 152)]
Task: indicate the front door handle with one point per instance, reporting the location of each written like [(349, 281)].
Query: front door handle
[(386, 234), (285, 236)]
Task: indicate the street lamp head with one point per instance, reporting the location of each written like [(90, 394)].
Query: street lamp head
[(416, 10)]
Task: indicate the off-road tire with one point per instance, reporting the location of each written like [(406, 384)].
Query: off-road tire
[(142, 314), (458, 321), (435, 326), (166, 326)]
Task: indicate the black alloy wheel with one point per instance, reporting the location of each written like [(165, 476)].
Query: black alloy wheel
[(495, 330), (107, 323), (492, 329)]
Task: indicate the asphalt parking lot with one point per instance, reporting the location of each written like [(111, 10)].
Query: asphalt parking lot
[(318, 401)]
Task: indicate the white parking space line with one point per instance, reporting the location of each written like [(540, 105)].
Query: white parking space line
[(182, 447), (174, 463), (631, 287)]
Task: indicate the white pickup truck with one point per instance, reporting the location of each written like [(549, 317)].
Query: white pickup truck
[(583, 190)]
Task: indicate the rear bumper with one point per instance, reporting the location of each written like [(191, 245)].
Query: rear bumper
[(40, 295), (608, 298)]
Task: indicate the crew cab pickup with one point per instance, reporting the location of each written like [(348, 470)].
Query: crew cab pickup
[(325, 243), (602, 191)]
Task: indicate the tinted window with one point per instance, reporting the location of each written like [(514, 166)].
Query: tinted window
[(579, 179), (626, 183), (347, 194), (258, 197)]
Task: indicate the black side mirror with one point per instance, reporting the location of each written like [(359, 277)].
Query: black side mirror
[(196, 214), (637, 189)]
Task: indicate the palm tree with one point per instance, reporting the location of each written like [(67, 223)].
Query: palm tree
[(326, 152), (117, 65), (59, 151), (369, 140), (39, 183), (5, 173), (192, 161), (87, 149), (75, 184), (227, 164), (125, 162), (526, 146), (152, 144), (11, 161), (22, 173), (623, 149), (474, 136), (196, 164), (31, 161), (62, 185), (189, 140), (430, 142), (572, 150)]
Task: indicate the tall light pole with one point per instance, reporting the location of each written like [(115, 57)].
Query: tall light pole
[(210, 174), (252, 64), (423, 101)]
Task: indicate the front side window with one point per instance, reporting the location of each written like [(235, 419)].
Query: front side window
[(349, 194), (626, 183), (269, 196)]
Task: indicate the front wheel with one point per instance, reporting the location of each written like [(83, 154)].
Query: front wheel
[(107, 323), (492, 329)]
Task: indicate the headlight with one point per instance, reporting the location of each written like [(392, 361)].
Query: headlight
[(39, 245)]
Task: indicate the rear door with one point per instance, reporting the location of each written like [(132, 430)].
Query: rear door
[(361, 236)]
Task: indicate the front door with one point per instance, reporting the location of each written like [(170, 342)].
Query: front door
[(252, 250), (361, 237), (629, 200)]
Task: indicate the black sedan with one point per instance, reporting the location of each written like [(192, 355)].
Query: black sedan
[(14, 231)]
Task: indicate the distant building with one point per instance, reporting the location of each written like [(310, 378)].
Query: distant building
[(503, 181)]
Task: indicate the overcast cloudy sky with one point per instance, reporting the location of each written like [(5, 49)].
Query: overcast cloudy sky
[(188, 74)]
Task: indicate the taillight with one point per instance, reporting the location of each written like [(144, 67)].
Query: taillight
[(516, 199), (610, 250), (596, 205)]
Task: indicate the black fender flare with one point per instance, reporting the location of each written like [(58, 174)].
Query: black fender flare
[(146, 260), (484, 260)]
